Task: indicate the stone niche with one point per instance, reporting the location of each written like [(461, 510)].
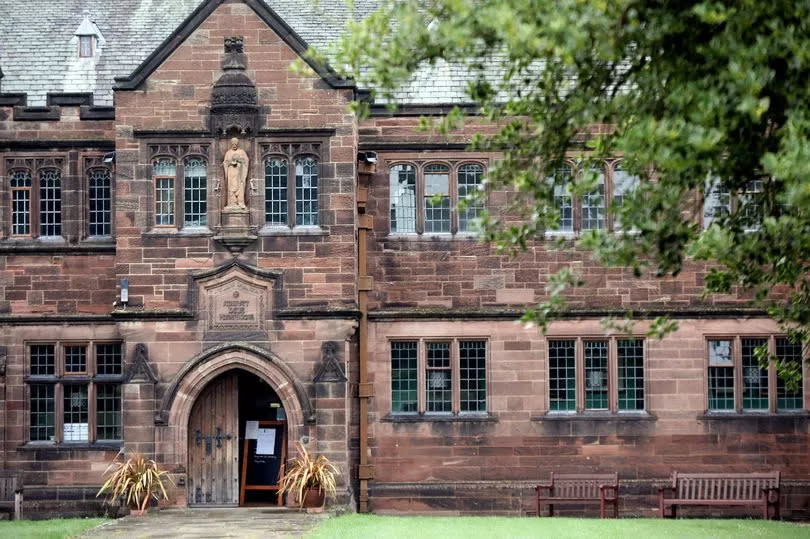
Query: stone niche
[(237, 298)]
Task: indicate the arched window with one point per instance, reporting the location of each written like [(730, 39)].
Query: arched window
[(275, 191), (623, 185), (20, 203), (437, 198), (402, 180), (195, 193), (164, 172), (306, 191), (50, 202), (99, 199), (469, 182), (593, 204)]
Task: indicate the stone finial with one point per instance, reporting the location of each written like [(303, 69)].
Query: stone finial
[(234, 44)]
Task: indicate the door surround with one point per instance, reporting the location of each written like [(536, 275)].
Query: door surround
[(173, 417)]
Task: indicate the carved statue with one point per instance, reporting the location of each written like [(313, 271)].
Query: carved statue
[(236, 171)]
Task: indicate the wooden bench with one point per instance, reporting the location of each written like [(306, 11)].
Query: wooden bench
[(722, 489), (11, 493), (579, 488)]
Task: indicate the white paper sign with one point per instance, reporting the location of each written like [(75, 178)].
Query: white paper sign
[(266, 442), (251, 430), (74, 432)]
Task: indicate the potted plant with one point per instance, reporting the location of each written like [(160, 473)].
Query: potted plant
[(309, 479), (135, 481)]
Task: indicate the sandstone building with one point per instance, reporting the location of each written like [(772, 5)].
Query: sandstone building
[(141, 307)]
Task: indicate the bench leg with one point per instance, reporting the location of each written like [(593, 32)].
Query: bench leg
[(551, 509), (616, 507), (674, 511), (18, 499), (602, 508)]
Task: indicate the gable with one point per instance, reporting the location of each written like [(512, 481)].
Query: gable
[(203, 12)]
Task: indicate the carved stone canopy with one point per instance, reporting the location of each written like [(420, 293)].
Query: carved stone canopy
[(234, 101)]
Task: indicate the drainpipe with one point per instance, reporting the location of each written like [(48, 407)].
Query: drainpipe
[(366, 166)]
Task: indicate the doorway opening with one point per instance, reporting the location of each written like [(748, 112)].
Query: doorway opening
[(237, 442)]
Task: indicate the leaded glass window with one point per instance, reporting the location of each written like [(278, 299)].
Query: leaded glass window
[(469, 182), (623, 185), (164, 172), (403, 376), (473, 376), (108, 359), (20, 203), (437, 198), (306, 191), (195, 194), (402, 183), (717, 203), (630, 356), (596, 375), (99, 197), (721, 375), (593, 205), (75, 422), (438, 377), (41, 416), (755, 378), (562, 375), (50, 202), (275, 191), (75, 359), (108, 412), (43, 359), (789, 352)]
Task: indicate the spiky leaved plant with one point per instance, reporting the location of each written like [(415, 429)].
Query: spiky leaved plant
[(134, 480), (304, 472)]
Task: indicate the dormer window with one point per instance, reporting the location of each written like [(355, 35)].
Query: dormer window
[(85, 46)]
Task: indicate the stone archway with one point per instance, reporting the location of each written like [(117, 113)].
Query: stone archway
[(173, 416)]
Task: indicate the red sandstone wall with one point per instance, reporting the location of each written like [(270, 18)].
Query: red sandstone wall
[(318, 268)]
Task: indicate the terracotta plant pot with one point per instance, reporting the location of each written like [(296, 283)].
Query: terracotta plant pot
[(313, 498)]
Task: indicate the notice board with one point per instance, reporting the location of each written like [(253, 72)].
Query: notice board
[(263, 457)]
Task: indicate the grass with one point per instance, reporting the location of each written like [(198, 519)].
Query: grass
[(557, 528), (57, 528)]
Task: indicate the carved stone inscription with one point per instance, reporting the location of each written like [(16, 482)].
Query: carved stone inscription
[(236, 304)]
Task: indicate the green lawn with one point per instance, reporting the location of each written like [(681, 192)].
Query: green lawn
[(557, 528), (50, 529)]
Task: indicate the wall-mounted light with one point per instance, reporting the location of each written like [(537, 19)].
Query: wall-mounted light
[(367, 157), (109, 157), (124, 291)]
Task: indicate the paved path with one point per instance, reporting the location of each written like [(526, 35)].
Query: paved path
[(220, 522)]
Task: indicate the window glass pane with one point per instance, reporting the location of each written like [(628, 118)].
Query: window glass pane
[(50, 203), (43, 359), (403, 376), (108, 412), (437, 199), (790, 352), (100, 201), (562, 377), (164, 172), (596, 375), (751, 204), (275, 191), (631, 373), (593, 205), (85, 46), (74, 428), (755, 379), (402, 182), (21, 203), (469, 182), (717, 203), (306, 191), (721, 375), (108, 359), (195, 196), (623, 185), (473, 376), (42, 412), (439, 393), (563, 200), (75, 359)]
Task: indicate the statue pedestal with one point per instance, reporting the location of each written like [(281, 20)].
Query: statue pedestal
[(235, 231)]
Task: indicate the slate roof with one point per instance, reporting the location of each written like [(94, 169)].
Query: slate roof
[(38, 45)]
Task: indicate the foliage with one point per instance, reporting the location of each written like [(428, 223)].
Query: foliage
[(58, 528), (691, 94), (487, 527), (135, 480), (304, 472)]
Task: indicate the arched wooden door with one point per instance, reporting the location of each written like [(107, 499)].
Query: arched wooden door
[(213, 441)]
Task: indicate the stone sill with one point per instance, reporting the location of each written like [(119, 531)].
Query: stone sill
[(78, 446), (596, 416), (169, 232), (295, 231), (430, 418), (722, 416), (431, 236), (50, 247)]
